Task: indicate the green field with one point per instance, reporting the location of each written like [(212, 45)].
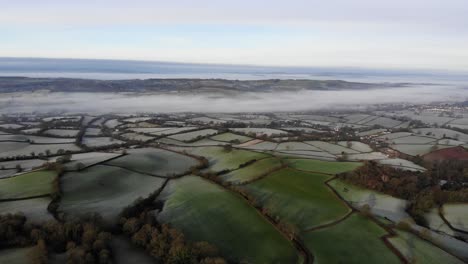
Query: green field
[(328, 167), (228, 137), (252, 171), (299, 198), (220, 159), (27, 185), (417, 250), (155, 161), (355, 240), (205, 212), (105, 190)]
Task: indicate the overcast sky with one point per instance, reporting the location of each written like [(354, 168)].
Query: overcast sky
[(422, 34)]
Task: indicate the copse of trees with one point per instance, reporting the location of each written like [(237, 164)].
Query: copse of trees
[(83, 242), (423, 190), (166, 244), (13, 231)]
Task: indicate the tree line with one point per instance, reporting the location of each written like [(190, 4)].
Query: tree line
[(84, 241), (423, 190)]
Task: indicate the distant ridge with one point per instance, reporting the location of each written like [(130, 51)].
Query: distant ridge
[(24, 84)]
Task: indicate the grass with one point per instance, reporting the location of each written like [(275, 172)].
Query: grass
[(62, 132), (436, 223), (291, 146), (402, 164), (11, 149), (194, 134), (457, 215), (355, 240), (265, 145), (328, 167), (221, 159), (105, 190), (413, 150), (89, 159), (298, 198), (7, 173), (36, 139), (252, 171), (173, 130), (413, 140), (306, 154), (356, 145), (380, 204), (331, 148), (206, 212), (260, 131), (27, 185), (228, 137), (155, 161), (35, 209), (25, 164), (100, 141), (366, 156), (417, 250), (137, 137)]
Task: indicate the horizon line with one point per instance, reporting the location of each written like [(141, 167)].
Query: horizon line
[(358, 68)]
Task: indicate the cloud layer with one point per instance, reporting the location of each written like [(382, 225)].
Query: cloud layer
[(248, 102)]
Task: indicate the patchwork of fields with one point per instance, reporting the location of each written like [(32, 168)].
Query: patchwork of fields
[(259, 194)]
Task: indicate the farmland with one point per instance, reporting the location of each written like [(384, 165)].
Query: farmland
[(155, 161), (204, 211), (249, 188), (31, 184), (417, 250), (329, 246), (220, 159), (381, 205), (288, 196), (457, 215), (190, 136), (35, 209), (322, 166), (13, 149), (253, 171), (230, 137), (105, 190)]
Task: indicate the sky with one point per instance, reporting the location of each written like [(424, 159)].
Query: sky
[(413, 34)]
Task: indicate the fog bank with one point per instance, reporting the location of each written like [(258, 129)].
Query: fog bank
[(246, 102)]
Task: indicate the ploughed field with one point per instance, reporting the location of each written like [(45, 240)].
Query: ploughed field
[(259, 195)]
